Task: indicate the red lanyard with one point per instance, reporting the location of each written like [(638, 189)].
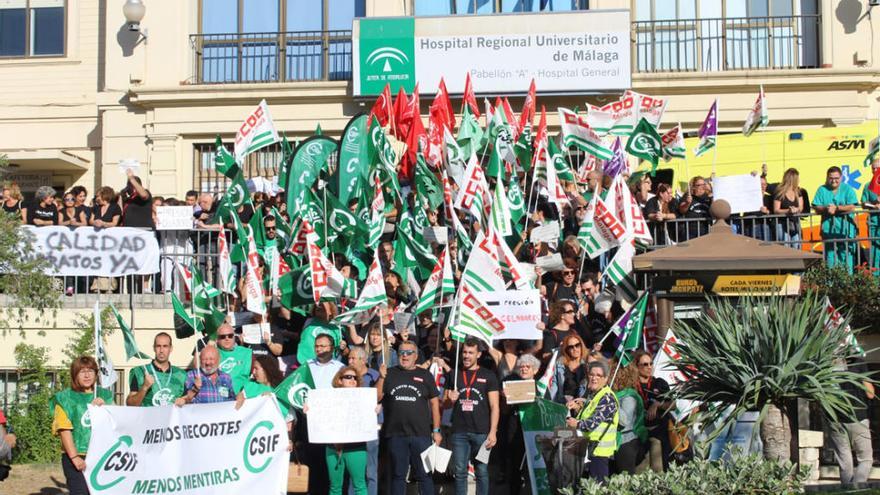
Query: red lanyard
[(467, 392)]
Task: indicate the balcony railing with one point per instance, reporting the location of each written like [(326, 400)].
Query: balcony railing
[(271, 57), (721, 44)]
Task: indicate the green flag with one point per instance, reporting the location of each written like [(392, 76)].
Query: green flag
[(516, 203), (308, 160), (347, 181), (286, 162), (383, 159), (560, 164), (428, 186), (313, 212), (293, 391), (410, 250), (345, 229), (628, 330), (256, 225), (237, 194), (296, 288), (523, 148), (203, 294), (131, 348), (224, 162), (645, 143), (188, 324), (470, 134)]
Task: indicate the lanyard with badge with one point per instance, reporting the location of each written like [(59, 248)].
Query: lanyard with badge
[(467, 405), (156, 376)]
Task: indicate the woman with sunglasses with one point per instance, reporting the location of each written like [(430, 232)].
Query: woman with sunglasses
[(571, 370), (70, 214), (652, 391), (597, 417), (345, 458), (561, 323)]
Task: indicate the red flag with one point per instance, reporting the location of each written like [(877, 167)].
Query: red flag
[(441, 108), (528, 110), (416, 138), (541, 132), (383, 108), (511, 118), (400, 103), (408, 114), (469, 98), (436, 131), (874, 187)]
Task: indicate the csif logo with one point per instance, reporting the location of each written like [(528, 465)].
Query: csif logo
[(228, 364), (117, 461), (259, 446), (846, 144)]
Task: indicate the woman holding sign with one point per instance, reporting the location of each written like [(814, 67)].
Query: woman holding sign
[(71, 420), (349, 457)]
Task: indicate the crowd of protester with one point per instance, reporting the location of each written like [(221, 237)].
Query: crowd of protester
[(458, 400)]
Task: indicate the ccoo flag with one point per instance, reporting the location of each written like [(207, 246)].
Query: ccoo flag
[(257, 131), (708, 131), (757, 117)]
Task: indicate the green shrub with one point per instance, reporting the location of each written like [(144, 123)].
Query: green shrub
[(744, 475), (32, 418), (857, 293)]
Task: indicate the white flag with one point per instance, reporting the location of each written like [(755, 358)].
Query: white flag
[(757, 117), (227, 272), (253, 284), (372, 297), (257, 131), (106, 374)]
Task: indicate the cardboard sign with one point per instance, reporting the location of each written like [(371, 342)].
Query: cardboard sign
[(519, 391), (545, 233), (550, 263), (174, 218), (356, 422), (743, 192), (252, 333), (518, 310), (436, 234), (403, 322)]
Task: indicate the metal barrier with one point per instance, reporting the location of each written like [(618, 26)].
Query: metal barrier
[(271, 57), (718, 44)]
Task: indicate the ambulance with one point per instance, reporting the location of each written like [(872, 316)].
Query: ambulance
[(810, 151)]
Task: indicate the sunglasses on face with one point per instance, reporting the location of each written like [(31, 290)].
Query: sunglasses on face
[(645, 365), (69, 200), (225, 336), (267, 227), (573, 346), (349, 377), (406, 352), (568, 311)]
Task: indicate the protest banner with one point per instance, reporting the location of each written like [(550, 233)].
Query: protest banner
[(743, 192), (519, 391), (663, 368), (518, 310), (538, 420), (174, 218), (356, 422), (196, 449), (91, 252)]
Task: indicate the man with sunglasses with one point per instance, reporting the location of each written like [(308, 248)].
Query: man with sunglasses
[(475, 415), (235, 359), (412, 417)]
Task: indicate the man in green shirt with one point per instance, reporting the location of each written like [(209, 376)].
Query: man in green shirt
[(235, 360), (836, 202), (157, 383)]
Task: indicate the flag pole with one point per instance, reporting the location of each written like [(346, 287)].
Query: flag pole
[(687, 168), (96, 324), (455, 369), (715, 148), (614, 376)]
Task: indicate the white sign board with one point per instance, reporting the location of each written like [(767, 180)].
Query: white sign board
[(330, 423), (29, 181), (130, 164), (519, 310), (743, 192), (403, 322), (174, 218), (91, 252), (436, 234), (585, 51), (195, 449), (550, 263), (545, 233), (252, 333)]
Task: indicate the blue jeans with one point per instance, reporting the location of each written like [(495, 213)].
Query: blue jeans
[(406, 453), (464, 448)]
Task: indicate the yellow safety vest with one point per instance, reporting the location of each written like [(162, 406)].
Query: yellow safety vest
[(605, 434)]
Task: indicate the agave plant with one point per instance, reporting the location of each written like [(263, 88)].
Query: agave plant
[(759, 353)]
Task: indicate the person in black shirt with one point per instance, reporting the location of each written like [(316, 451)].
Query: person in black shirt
[(475, 412), (106, 212), (562, 320), (70, 214), (412, 413), (652, 390), (12, 200), (695, 207), (43, 211), (137, 203)]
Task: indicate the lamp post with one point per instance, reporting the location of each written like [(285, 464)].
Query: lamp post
[(134, 11)]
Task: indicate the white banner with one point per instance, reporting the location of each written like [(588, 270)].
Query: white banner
[(196, 449), (91, 252), (342, 415), (174, 218), (519, 310), (743, 192)]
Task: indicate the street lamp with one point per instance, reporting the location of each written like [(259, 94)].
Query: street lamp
[(134, 11)]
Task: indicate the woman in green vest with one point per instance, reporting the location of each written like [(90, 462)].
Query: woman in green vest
[(632, 434), (265, 377), (71, 420), (597, 418)]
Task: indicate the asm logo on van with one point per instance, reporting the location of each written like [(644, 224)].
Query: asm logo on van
[(846, 144), (386, 55)]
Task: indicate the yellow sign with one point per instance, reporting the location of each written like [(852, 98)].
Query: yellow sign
[(686, 286), (757, 285)]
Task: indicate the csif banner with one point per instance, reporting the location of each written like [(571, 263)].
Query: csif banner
[(196, 449), (91, 252)]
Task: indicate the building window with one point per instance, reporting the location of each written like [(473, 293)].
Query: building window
[(715, 35), (476, 7), (31, 28)]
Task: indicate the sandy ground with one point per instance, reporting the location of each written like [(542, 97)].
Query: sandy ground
[(34, 479)]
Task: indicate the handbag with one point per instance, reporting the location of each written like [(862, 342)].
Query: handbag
[(297, 476)]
